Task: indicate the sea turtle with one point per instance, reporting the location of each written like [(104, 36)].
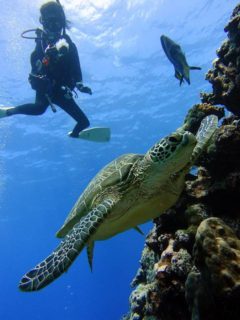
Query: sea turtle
[(129, 191)]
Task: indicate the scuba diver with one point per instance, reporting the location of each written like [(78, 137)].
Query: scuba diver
[(55, 70)]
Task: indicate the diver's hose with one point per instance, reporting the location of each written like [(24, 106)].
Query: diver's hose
[(50, 103), (37, 31)]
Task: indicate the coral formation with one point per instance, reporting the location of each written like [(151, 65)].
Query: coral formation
[(225, 75), (169, 261), (155, 294), (190, 266), (197, 113), (217, 257)]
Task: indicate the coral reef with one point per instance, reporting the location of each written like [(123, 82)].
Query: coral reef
[(225, 75), (197, 113), (190, 265), (174, 279), (217, 257)]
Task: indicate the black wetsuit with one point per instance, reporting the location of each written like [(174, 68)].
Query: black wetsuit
[(64, 71)]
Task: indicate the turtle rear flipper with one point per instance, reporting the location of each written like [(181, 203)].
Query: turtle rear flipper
[(61, 259)]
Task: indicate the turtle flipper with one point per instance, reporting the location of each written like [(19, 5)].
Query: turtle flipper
[(64, 255), (90, 248), (207, 128)]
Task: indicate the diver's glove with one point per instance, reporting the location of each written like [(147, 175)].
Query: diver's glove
[(82, 88)]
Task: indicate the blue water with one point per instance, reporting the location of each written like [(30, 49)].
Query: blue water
[(43, 171)]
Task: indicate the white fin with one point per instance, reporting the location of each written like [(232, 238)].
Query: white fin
[(96, 134)]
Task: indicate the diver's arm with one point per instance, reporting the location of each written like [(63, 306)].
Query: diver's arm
[(75, 63), (34, 70), (33, 61), (36, 78), (75, 67), (77, 72)]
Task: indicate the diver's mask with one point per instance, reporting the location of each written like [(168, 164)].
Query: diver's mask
[(52, 26)]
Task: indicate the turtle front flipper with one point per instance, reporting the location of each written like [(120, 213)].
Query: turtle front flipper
[(61, 259), (207, 128)]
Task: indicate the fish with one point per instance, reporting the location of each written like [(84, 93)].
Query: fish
[(176, 56)]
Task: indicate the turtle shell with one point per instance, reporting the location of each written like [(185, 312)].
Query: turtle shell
[(112, 174)]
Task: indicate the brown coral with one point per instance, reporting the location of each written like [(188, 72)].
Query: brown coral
[(225, 75), (197, 113), (213, 285), (217, 257), (224, 152)]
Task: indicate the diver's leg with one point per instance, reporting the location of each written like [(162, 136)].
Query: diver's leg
[(34, 109), (71, 107)]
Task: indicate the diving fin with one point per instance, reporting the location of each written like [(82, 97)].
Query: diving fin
[(97, 134)]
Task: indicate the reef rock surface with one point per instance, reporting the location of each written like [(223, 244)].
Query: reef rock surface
[(225, 75), (190, 265)]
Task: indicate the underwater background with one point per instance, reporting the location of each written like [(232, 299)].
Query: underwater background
[(43, 171)]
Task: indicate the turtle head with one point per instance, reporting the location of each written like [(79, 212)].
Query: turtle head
[(172, 152)]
